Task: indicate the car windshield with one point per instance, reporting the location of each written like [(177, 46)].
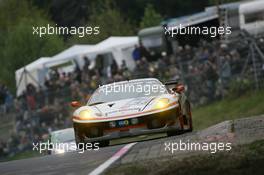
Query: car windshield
[(126, 90)]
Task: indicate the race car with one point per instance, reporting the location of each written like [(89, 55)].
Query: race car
[(132, 108)]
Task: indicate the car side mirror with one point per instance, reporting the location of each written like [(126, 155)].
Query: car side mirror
[(75, 104), (175, 86), (179, 88)]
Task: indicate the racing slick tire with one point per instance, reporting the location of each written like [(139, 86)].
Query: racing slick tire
[(179, 131), (184, 120), (79, 139), (104, 143), (174, 133)]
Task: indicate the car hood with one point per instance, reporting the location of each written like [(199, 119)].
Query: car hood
[(123, 107), (126, 108)]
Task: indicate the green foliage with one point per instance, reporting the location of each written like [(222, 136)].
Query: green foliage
[(215, 2), (36, 47), (150, 18), (111, 23), (19, 46)]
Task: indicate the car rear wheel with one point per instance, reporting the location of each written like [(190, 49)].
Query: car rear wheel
[(180, 130)]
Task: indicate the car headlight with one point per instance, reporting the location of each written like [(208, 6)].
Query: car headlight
[(162, 103), (85, 114)]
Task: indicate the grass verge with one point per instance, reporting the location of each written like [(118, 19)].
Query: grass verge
[(249, 104), (24, 155)]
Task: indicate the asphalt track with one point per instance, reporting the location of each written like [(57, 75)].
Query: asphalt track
[(69, 163), (84, 163), (237, 132)]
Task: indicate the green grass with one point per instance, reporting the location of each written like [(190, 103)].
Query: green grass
[(247, 105), (24, 155)]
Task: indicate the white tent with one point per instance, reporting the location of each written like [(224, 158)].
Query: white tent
[(68, 54), (33, 73), (120, 47)]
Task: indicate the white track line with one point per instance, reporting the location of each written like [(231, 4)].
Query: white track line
[(114, 158)]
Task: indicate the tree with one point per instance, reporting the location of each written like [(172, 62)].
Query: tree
[(19, 46), (216, 2), (150, 18), (22, 47), (110, 21)]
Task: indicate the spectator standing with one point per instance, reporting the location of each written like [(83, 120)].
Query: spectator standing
[(144, 52), (86, 64), (225, 71), (136, 53)]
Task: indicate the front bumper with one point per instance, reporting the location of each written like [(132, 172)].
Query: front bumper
[(132, 133), (167, 120)]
